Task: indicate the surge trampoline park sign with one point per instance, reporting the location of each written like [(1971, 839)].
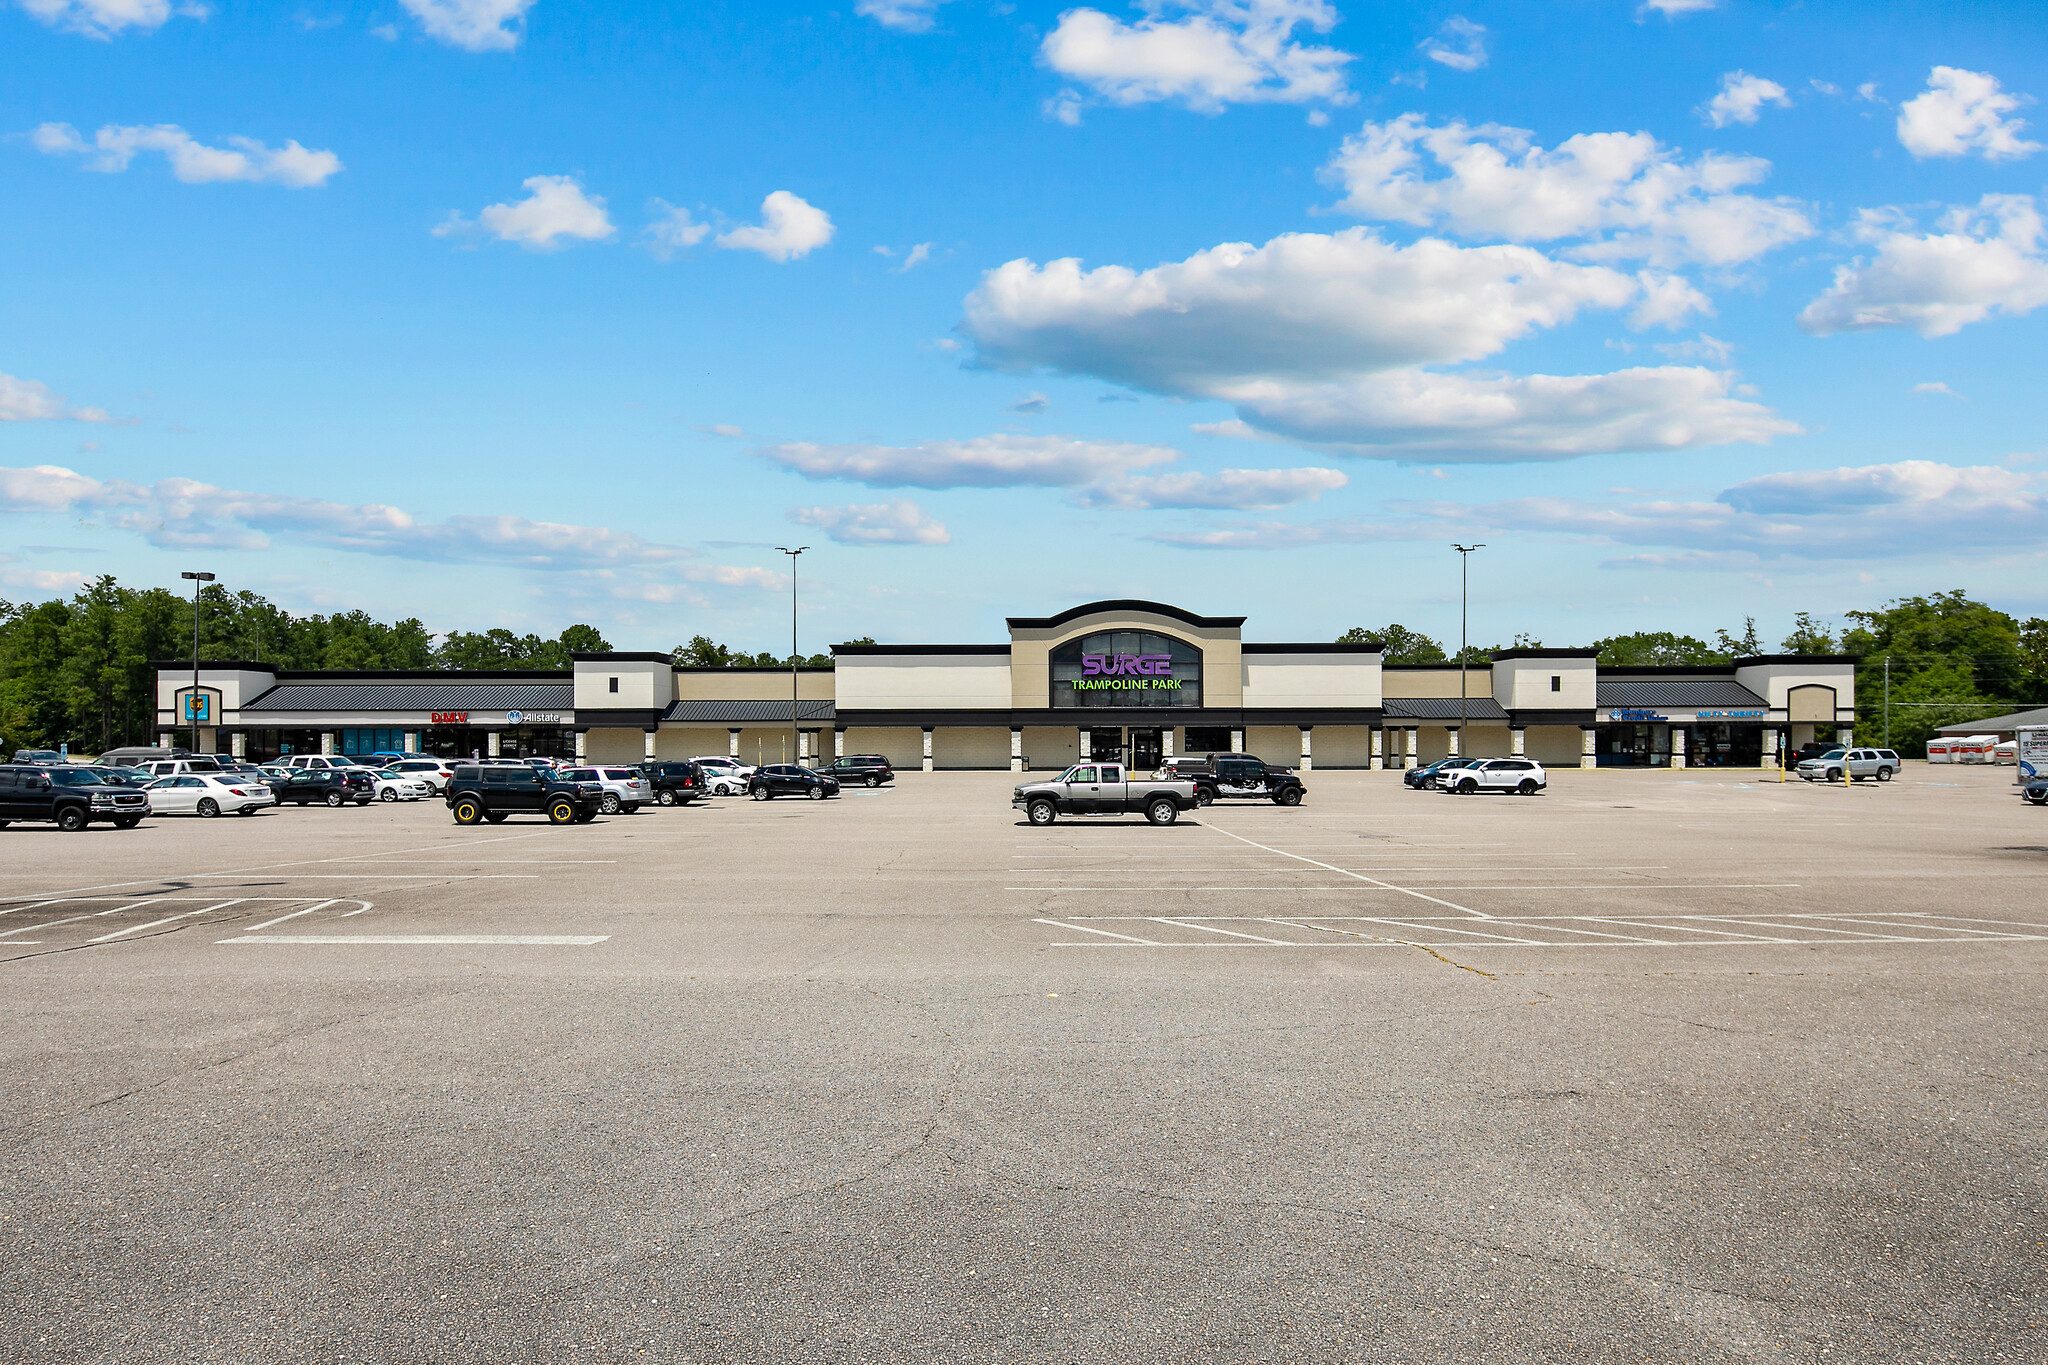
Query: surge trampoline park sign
[(1126, 668), (1126, 673)]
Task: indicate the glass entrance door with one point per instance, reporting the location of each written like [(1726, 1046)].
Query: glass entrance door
[(1147, 749)]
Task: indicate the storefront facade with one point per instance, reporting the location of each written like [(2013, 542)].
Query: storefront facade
[(1131, 681)]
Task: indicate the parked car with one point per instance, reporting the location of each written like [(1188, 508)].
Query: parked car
[(790, 779), (320, 761), (676, 782), (389, 758), (2036, 790), (431, 771), (1881, 764), (495, 791), (392, 786), (1430, 776), (328, 786), (1517, 776), (625, 789), (1241, 776), (1103, 789), (870, 770), (207, 794), (138, 756), (39, 756), (724, 776), (116, 776), (173, 767), (68, 795)]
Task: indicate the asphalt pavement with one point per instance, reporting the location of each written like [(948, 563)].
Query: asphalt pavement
[(1677, 1067)]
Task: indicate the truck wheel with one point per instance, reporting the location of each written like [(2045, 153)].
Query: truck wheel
[(584, 817), (1204, 796), (208, 807), (1884, 774), (467, 811), (1162, 811), (334, 800), (496, 817), (1834, 774), (120, 821), (1290, 796), (610, 804), (665, 797), (561, 812), (1042, 812), (71, 819)]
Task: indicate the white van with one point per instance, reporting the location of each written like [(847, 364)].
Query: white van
[(178, 767)]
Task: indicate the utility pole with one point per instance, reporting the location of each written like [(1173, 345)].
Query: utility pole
[(1887, 701), (795, 745), (192, 702), (1464, 604)]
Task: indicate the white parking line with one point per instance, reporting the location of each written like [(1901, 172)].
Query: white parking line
[(408, 940), (70, 919), (158, 924), (1082, 928), (1212, 929), (258, 928)]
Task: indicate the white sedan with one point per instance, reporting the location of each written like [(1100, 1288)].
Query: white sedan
[(724, 776), (207, 794), (395, 786)]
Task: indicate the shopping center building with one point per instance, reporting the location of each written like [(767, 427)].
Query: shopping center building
[(1137, 681)]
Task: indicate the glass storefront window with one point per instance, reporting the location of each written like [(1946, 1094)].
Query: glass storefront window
[(1126, 668), (356, 743), (537, 741)]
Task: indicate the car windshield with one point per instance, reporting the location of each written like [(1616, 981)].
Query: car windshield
[(73, 777)]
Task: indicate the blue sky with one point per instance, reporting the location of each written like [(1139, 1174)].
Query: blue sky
[(517, 312)]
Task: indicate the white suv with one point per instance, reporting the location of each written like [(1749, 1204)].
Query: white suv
[(1519, 776), (431, 771), (1861, 763), (724, 776), (625, 789)]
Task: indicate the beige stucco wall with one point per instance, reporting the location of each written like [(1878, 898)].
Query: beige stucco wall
[(928, 681), (1554, 746), (1051, 747), (615, 745), (748, 684), (1279, 744), (1342, 746), (1812, 702), (1519, 683), (676, 741), (1773, 681), (642, 684), (976, 746), (235, 685), (903, 746), (1221, 646), (1308, 680), (1433, 682)]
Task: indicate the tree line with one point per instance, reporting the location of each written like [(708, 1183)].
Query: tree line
[(79, 673), (1941, 659)]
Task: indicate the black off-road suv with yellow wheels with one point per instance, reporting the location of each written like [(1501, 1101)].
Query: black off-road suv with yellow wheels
[(492, 791)]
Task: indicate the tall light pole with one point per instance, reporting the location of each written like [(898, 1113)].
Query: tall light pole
[(1464, 604), (192, 702), (795, 747)]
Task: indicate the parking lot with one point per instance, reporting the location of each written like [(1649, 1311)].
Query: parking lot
[(1657, 1066)]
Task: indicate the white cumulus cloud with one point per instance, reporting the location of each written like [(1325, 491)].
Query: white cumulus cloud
[(1671, 9), (789, 228), (673, 231), (104, 19), (896, 522), (1984, 261), (1235, 489), (1623, 195), (475, 25), (28, 400), (1963, 112), (555, 208), (1459, 44), (1216, 53), (1001, 461), (907, 16), (113, 148), (1743, 98)]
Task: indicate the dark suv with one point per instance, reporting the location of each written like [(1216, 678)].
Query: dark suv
[(69, 795), (329, 786), (493, 791), (870, 770), (1242, 776), (675, 782)]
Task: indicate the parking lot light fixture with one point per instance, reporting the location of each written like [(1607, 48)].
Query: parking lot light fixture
[(795, 745), (192, 702), (1464, 602)]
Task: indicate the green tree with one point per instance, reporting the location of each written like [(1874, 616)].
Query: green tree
[(1655, 648), (1809, 636), (1402, 645), (1748, 646)]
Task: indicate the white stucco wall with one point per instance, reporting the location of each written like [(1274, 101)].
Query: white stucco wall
[(642, 684), (1311, 680), (923, 681), (1525, 684)]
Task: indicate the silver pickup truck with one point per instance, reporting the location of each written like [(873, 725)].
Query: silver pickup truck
[(1103, 789)]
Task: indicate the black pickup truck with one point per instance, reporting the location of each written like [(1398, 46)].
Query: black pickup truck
[(492, 791), (1239, 777), (69, 796)]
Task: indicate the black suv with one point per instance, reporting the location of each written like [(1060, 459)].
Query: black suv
[(493, 791), (675, 782), (330, 786), (1242, 776), (790, 779), (71, 796), (870, 770)]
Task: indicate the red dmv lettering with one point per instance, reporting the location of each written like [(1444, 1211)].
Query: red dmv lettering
[(448, 718)]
